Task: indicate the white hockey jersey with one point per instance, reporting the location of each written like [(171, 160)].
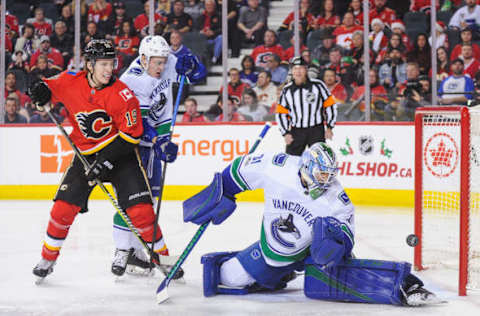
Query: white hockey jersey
[(289, 213), (155, 95)]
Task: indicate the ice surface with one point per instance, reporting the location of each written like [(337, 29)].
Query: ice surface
[(82, 284)]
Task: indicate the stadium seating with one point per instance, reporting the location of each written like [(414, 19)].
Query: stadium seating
[(415, 23)]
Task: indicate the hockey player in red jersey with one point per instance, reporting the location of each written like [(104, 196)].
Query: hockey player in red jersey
[(107, 126)]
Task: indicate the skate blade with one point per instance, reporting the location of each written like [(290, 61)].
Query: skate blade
[(39, 280), (136, 271), (179, 281)]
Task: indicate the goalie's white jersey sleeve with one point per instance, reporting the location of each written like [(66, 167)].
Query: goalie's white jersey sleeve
[(289, 213), (155, 95)]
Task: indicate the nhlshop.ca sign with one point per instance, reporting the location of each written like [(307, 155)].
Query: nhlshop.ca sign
[(379, 155)]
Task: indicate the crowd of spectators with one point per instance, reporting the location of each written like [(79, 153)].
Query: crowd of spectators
[(332, 41)]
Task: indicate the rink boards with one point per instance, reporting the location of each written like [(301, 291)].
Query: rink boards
[(376, 160)]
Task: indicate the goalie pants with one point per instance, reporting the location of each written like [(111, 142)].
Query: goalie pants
[(133, 195)]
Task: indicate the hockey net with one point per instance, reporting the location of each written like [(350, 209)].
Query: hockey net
[(447, 192)]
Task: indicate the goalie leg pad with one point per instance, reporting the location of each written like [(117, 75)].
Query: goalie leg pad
[(209, 204), (266, 276), (211, 271), (357, 280)]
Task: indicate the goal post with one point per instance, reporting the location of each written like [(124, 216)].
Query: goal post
[(447, 186)]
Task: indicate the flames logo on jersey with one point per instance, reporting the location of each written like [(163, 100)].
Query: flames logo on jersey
[(94, 124)]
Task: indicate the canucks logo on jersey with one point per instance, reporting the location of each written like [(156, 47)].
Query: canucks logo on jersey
[(283, 228)]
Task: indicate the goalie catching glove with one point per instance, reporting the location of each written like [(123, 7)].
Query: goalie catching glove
[(40, 94), (210, 204)]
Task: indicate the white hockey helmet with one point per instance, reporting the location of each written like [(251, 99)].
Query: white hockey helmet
[(318, 168), (153, 46)]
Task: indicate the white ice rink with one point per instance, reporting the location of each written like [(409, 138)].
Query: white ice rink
[(83, 285)]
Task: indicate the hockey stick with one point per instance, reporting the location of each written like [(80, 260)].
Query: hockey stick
[(114, 202), (164, 171), (162, 294)]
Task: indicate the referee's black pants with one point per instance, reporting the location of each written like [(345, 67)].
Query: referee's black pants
[(303, 137)]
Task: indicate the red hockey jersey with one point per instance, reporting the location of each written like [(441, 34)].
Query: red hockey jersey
[(97, 116)]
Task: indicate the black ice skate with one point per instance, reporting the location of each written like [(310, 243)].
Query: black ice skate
[(120, 259), (139, 264), (42, 269), (416, 295)]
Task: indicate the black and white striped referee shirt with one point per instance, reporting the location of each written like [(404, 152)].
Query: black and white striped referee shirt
[(307, 105)]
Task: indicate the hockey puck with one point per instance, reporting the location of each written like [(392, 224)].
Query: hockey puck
[(412, 240)]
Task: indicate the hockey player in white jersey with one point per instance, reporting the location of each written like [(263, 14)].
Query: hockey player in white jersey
[(151, 76), (308, 224)]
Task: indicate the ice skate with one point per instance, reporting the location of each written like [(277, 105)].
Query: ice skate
[(417, 296), (42, 269), (139, 264), (120, 259)]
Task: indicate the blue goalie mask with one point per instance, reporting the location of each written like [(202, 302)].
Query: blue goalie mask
[(318, 168)]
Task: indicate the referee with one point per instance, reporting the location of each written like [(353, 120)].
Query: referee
[(306, 112)]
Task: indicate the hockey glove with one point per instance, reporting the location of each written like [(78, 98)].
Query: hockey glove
[(40, 94), (99, 169), (186, 65), (166, 150), (330, 243), (149, 133)]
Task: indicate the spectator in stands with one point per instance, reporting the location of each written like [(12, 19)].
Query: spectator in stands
[(99, 11), (313, 69), (195, 9), (307, 20), (11, 88), (19, 62), (378, 97), (357, 10), (55, 58), (377, 36), (66, 16), (382, 12), (443, 64), (28, 42), (235, 86), (399, 28), (234, 43), (327, 19), (42, 25), (457, 88), (252, 21), (92, 33), (127, 42), (442, 38), (334, 57), (343, 33), (248, 74), (11, 112), (471, 65), (191, 113), (215, 109), (393, 71), (43, 118), (266, 91), (141, 22), (42, 69), (262, 53), (233, 115), (62, 41), (279, 73), (11, 25), (421, 54), (356, 51), (466, 38), (395, 41), (423, 5), (289, 53), (164, 7), (178, 19), (211, 26), (466, 16), (321, 53), (249, 107), (336, 88), (113, 24)]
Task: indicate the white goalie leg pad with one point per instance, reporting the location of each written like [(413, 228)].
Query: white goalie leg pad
[(232, 274)]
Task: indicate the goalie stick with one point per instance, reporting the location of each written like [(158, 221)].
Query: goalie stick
[(114, 202), (162, 294), (164, 171)]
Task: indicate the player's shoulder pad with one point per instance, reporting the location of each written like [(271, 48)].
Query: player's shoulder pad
[(122, 90), (279, 159), (136, 71)]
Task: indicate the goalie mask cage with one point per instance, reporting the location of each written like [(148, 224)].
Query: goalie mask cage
[(447, 187)]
